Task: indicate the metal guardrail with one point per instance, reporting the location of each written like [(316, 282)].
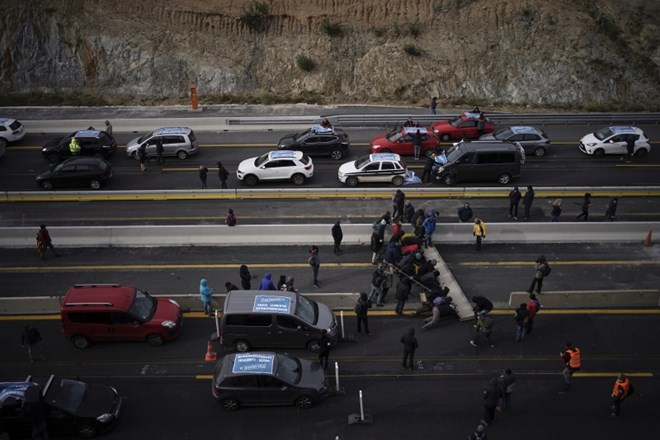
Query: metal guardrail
[(392, 119)]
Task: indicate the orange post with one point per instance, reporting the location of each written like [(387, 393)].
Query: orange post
[(193, 96), (647, 241), (210, 354)]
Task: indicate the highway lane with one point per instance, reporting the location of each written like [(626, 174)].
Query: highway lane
[(168, 396), (564, 166)]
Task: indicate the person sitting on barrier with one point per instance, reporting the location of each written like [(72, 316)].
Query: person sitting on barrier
[(442, 306), (431, 295)]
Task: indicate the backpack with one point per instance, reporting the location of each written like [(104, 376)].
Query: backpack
[(358, 307), (231, 220), (546, 270)]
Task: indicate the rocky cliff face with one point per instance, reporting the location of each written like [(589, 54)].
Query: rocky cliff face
[(525, 52)]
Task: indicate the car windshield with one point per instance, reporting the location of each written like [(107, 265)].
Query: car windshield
[(306, 310), (362, 162), (603, 133), (66, 394), (145, 137), (503, 133), (456, 121), (298, 136), (288, 369), (454, 153), (394, 136), (260, 160), (143, 307)]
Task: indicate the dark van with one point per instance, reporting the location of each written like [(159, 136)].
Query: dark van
[(481, 161), (255, 318)]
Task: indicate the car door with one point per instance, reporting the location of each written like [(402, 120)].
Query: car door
[(65, 176), (125, 327), (469, 128), (246, 388), (311, 145), (404, 145), (172, 144), (617, 144), (290, 332), (387, 171), (370, 172), (467, 169), (275, 391), (89, 146)]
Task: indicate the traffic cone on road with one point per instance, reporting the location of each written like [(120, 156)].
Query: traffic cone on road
[(210, 354), (647, 240)]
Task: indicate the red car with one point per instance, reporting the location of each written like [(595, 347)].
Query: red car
[(399, 141), (463, 125)]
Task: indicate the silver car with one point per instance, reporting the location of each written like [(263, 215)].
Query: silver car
[(177, 141), (532, 139)]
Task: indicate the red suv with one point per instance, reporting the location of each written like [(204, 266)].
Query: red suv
[(399, 141), (463, 125), (112, 312)]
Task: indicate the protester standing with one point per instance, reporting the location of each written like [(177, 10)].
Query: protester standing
[(108, 127), (324, 349), (408, 211), (314, 262), (491, 396), (203, 172), (402, 292), (533, 307), (507, 383), (337, 237), (223, 175), (44, 242), (621, 390), (376, 282), (465, 213), (584, 206), (417, 143), (514, 200), (206, 295), (434, 105), (410, 344), (541, 270), (610, 212), (630, 148), (479, 231), (572, 359), (483, 326), (246, 278), (427, 175), (527, 201), (230, 218), (556, 211), (160, 151), (361, 309), (266, 282), (521, 317), (31, 338), (429, 228)]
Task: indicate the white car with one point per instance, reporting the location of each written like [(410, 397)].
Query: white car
[(377, 167), (276, 165), (11, 130), (612, 140)]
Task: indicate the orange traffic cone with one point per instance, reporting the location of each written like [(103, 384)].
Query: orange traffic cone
[(647, 240), (210, 354)]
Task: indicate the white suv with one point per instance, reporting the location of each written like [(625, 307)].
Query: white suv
[(11, 130), (612, 140), (276, 165)]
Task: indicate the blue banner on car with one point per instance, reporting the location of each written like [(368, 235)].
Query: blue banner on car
[(272, 303), (14, 389), (258, 363)]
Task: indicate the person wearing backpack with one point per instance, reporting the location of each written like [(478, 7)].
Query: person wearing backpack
[(542, 270), (622, 389), (230, 218), (484, 326), (361, 309), (533, 307)]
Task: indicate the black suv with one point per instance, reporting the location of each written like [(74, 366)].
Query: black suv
[(76, 172), (317, 142), (92, 143)]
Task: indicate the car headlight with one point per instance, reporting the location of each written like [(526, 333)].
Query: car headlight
[(591, 145), (376, 147), (168, 324), (43, 150), (104, 418), (441, 169)]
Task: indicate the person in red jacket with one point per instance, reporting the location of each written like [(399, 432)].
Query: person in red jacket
[(44, 241)]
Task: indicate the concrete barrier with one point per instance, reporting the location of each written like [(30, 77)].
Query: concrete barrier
[(578, 299), (282, 235), (446, 278)]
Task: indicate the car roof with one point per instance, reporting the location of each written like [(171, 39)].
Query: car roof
[(171, 130), (471, 115), (87, 133), (624, 129), (285, 154), (6, 121), (377, 157), (413, 130), (258, 301), (478, 145), (252, 363), (524, 130), (83, 159), (100, 295)]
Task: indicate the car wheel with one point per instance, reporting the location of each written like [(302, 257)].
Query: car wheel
[(53, 158), (397, 181), (230, 404), (336, 154), (47, 185), (314, 345), (241, 346), (3, 143), (351, 181), (642, 152), (504, 179), (539, 152), (155, 340), (87, 431), (599, 152), (250, 180), (134, 155), (298, 179), (304, 402), (445, 137), (95, 184), (80, 341), (181, 154), (448, 180)]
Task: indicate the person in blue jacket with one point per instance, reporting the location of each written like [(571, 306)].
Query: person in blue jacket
[(267, 282), (206, 295)]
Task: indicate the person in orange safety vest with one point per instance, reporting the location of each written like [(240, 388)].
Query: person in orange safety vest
[(621, 390), (571, 356)]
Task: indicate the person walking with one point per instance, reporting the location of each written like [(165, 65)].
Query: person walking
[(521, 316), (507, 383), (160, 151), (465, 213), (541, 270), (223, 175), (398, 202), (427, 175), (492, 395), (429, 228), (572, 359), (479, 231), (610, 212), (482, 306), (108, 127), (377, 278), (203, 172), (556, 211), (246, 278), (434, 105), (361, 309), (337, 237), (481, 124), (388, 282), (290, 287), (408, 211), (324, 349), (410, 344), (31, 338), (533, 308), (479, 434), (630, 148), (621, 390), (44, 242), (142, 157), (206, 295), (584, 206), (417, 143), (376, 246), (527, 201), (514, 200), (483, 327), (314, 262), (266, 282), (230, 218), (402, 292)]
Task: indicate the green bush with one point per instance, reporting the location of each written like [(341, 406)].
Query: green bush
[(411, 49), (255, 17), (305, 63), (414, 29), (332, 29), (379, 31)]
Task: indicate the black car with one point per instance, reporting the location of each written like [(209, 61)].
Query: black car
[(69, 406), (92, 143), (317, 141), (90, 172)]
